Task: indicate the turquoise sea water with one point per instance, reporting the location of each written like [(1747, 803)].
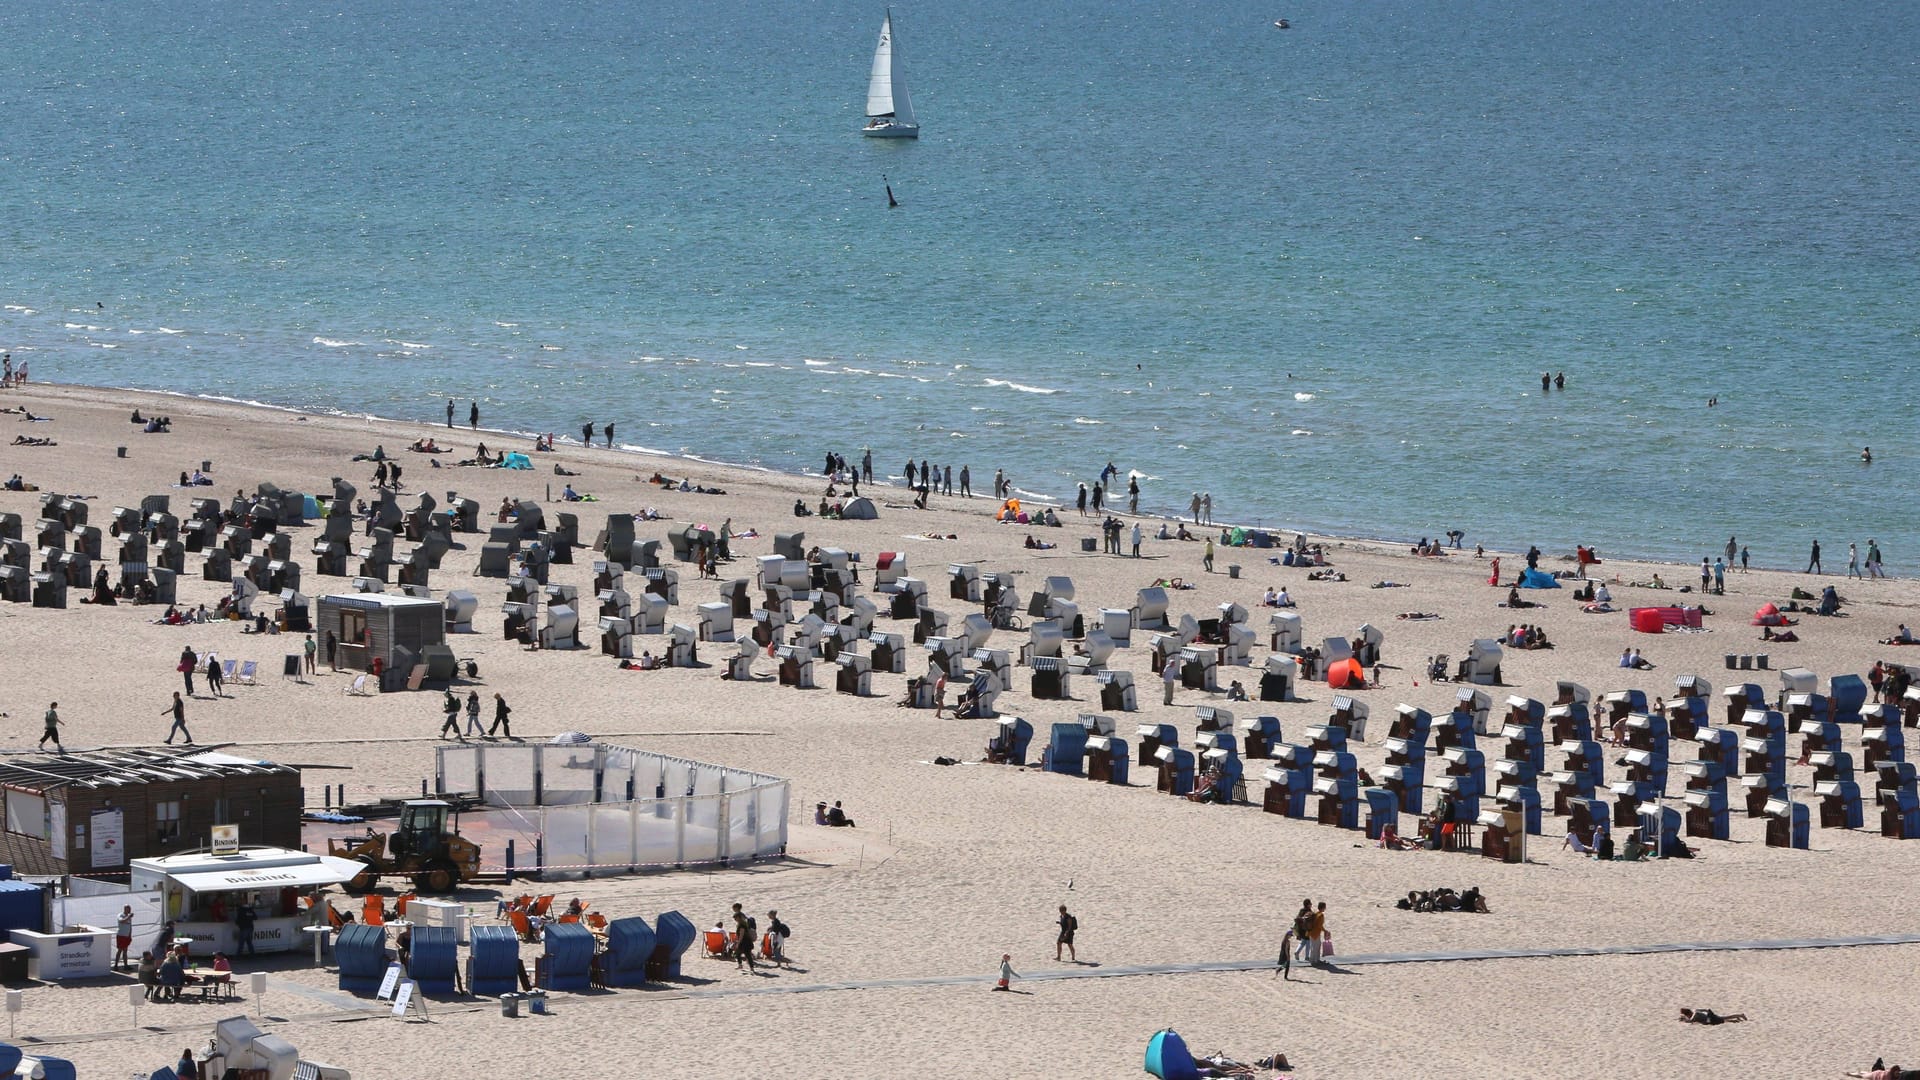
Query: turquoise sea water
[(1316, 272)]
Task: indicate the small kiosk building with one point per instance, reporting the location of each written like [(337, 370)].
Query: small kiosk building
[(89, 812), (361, 628), (202, 893)]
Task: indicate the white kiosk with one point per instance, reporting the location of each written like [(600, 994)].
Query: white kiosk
[(202, 892)]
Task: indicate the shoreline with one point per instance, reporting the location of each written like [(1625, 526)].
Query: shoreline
[(1370, 544)]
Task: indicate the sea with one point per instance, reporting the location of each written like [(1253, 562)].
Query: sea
[(1316, 272)]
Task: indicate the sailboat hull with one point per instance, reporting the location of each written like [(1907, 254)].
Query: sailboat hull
[(891, 129)]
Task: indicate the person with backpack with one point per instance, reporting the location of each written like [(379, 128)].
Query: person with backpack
[(746, 936), (1068, 924), (1302, 929), (777, 935)]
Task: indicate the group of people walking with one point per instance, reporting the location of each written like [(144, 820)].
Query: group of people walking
[(501, 713)]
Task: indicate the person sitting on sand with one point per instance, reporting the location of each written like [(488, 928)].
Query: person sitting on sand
[(1708, 1016), (567, 494), (1513, 599), (1183, 534), (1390, 839), (1236, 692), (837, 818)]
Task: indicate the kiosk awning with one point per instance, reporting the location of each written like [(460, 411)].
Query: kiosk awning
[(325, 870)]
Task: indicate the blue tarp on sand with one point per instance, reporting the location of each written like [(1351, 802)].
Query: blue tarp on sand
[(516, 461), (1168, 1059), (1537, 579)]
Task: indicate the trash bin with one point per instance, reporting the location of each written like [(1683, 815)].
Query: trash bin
[(1086, 543), (537, 1002), (13, 963), (120, 451), (1233, 570), (510, 1004)]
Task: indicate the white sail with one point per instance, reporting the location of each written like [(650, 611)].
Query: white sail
[(887, 85)]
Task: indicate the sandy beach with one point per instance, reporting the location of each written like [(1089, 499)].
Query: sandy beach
[(900, 923)]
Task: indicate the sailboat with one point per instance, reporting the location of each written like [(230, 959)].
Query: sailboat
[(889, 109)]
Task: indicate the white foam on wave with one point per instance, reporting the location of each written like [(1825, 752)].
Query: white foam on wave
[(167, 330), (549, 348), (817, 363), (102, 345), (1303, 396), (333, 343), (408, 344), (506, 325), (761, 363), (21, 308), (1022, 387), (742, 348), (1087, 420), (136, 331), (1299, 431), (957, 435)]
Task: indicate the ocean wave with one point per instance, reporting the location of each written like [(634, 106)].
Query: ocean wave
[(166, 330), (762, 364), (506, 325), (136, 331), (1299, 431), (102, 345), (817, 363), (334, 344), (408, 344), (1022, 387), (21, 308), (1087, 420), (85, 326), (1303, 396)]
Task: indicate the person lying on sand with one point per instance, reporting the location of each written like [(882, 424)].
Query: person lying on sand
[(22, 440), (1709, 1017)]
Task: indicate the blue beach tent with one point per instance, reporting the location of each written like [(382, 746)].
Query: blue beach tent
[(516, 461), (1168, 1059), (1538, 579)]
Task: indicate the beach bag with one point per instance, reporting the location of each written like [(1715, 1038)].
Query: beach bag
[(1326, 945), (183, 666)]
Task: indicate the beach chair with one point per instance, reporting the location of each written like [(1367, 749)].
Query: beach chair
[(596, 922), (717, 943), (248, 670), (521, 926), (400, 905), (229, 670), (541, 905), (373, 913), (335, 919), (358, 686)]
